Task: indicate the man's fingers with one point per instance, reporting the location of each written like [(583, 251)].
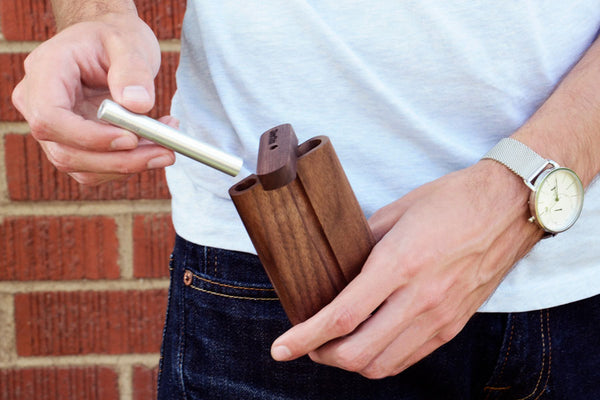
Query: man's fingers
[(72, 130), (426, 334), (53, 106), (339, 318), (131, 73), (145, 156), (356, 351), (402, 332), (66, 79), (163, 159), (67, 159)]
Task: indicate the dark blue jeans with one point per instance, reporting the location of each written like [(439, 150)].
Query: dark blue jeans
[(223, 316)]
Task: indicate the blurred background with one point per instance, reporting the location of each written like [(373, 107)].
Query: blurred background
[(83, 270)]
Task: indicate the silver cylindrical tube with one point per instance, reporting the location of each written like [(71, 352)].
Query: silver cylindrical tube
[(168, 137)]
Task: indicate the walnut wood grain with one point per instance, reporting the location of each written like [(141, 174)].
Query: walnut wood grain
[(310, 233)]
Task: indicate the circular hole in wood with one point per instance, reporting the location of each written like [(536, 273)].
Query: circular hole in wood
[(308, 146), (245, 184)]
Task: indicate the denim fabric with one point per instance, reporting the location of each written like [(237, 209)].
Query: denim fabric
[(223, 316)]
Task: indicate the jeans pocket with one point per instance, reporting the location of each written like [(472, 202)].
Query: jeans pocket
[(230, 316)]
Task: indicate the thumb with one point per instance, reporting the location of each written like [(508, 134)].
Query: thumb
[(131, 76)]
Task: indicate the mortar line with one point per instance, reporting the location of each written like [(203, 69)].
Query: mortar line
[(3, 183), (21, 128), (12, 287), (170, 45), (125, 237), (9, 46), (8, 328), (149, 360), (84, 208), (125, 385)]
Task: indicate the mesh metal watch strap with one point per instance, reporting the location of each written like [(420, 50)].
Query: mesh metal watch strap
[(518, 158)]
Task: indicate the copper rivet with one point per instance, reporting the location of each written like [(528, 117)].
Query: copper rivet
[(187, 278)]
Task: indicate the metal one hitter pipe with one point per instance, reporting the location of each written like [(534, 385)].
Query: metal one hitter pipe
[(168, 137)]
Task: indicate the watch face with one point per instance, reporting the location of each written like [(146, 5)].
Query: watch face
[(558, 200)]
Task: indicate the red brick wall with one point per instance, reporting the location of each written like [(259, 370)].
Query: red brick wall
[(83, 270)]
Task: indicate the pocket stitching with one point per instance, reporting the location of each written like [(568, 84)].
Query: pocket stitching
[(235, 297), (230, 286)]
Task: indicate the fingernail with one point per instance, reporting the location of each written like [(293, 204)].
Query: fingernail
[(159, 162), (281, 353), (136, 94), (123, 142)]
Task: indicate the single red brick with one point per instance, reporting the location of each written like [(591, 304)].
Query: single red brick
[(26, 19), (144, 382), (58, 248), (153, 240), (67, 323), (31, 177), (11, 72), (33, 19), (81, 383)]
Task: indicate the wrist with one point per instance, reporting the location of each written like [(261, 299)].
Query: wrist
[(69, 12), (506, 186)]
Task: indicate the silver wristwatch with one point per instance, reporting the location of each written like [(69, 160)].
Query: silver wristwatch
[(557, 193)]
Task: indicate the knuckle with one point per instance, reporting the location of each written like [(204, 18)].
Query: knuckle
[(59, 157), (432, 299), (445, 336), (314, 357), (354, 360), (450, 332), (375, 371), (125, 169), (17, 97), (343, 321), (39, 127), (132, 164), (437, 296), (411, 268)]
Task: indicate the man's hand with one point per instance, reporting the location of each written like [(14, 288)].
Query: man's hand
[(66, 79), (446, 246), (442, 250)]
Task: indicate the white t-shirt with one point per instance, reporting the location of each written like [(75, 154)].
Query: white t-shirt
[(407, 91)]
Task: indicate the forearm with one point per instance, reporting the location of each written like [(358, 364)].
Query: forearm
[(69, 12), (566, 128)]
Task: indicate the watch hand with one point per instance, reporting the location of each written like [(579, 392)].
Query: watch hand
[(555, 189)]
